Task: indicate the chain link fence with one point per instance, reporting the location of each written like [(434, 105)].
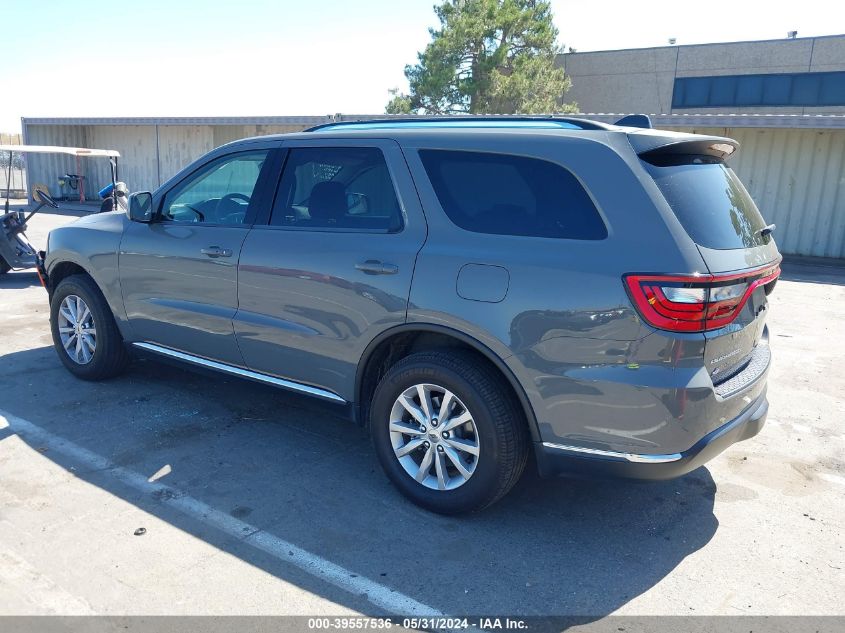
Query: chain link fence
[(12, 168)]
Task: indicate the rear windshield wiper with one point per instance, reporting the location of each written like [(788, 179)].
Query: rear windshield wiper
[(767, 230)]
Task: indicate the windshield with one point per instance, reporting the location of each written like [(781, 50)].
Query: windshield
[(711, 203)]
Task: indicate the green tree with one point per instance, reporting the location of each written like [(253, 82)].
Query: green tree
[(487, 57), (399, 103)]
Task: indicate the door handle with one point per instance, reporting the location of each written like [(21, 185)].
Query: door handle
[(375, 267), (216, 251)]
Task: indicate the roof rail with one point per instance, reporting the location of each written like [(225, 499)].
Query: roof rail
[(551, 120)]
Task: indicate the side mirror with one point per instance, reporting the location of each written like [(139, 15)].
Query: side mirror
[(140, 207)]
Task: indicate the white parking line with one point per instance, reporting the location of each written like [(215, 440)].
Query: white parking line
[(393, 602)]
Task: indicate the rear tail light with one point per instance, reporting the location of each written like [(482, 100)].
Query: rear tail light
[(694, 303)]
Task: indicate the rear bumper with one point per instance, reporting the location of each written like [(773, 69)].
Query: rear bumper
[(555, 459)]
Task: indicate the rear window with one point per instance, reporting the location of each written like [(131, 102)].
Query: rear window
[(512, 195), (711, 204)]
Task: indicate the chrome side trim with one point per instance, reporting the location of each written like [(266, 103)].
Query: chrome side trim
[(628, 457), (243, 373)]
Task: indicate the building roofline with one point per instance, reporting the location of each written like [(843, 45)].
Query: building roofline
[(789, 121), (193, 120), (674, 46), (801, 121)]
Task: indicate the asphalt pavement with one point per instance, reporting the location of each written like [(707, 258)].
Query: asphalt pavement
[(166, 491)]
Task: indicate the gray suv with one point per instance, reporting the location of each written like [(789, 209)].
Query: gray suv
[(478, 292)]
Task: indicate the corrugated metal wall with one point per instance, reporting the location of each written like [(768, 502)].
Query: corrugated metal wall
[(797, 178), (139, 166), (17, 175), (46, 168)]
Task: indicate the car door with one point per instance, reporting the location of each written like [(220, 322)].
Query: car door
[(332, 266), (178, 273)]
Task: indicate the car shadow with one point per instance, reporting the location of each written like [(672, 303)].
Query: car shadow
[(796, 269), (17, 279), (296, 470)]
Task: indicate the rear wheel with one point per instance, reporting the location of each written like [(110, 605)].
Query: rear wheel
[(447, 433), (85, 334)]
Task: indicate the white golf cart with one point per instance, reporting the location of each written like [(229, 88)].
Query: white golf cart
[(15, 250)]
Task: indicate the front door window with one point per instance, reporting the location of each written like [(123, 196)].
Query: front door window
[(219, 194)]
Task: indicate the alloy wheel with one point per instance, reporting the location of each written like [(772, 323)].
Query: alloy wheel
[(434, 437), (77, 329)]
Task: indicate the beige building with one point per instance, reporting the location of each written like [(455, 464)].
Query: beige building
[(788, 76), (783, 100)]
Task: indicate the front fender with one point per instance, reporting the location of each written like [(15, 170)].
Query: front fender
[(93, 244)]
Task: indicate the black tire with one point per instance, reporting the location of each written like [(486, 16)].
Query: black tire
[(500, 427), (110, 357)]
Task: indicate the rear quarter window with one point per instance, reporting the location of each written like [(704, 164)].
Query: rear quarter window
[(711, 203), (512, 195)]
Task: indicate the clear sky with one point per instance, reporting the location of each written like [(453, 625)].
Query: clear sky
[(277, 57)]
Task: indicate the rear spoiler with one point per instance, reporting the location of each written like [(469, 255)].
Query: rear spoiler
[(657, 145)]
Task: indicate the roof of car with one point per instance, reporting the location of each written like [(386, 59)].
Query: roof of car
[(456, 129), (411, 132), (414, 135), (406, 126)]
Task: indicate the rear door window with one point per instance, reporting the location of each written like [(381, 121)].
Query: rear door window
[(711, 203), (512, 195), (344, 188)]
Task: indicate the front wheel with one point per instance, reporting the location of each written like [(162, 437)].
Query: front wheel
[(447, 432), (85, 335)]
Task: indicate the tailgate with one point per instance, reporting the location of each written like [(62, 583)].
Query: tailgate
[(737, 247), (741, 347)]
